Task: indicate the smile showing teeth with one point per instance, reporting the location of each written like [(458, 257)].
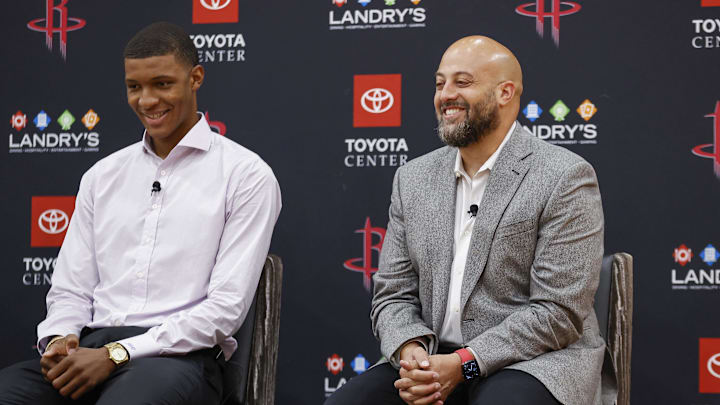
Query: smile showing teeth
[(452, 111), (155, 116)]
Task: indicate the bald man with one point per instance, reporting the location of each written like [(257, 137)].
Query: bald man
[(491, 259)]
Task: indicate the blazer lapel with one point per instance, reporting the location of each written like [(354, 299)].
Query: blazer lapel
[(505, 178), (442, 233)]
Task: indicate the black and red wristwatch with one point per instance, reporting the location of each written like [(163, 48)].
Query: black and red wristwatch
[(470, 367)]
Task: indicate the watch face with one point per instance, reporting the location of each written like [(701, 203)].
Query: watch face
[(117, 353), (470, 370)]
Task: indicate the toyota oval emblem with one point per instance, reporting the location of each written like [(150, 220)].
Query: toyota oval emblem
[(712, 364), (215, 4), (53, 221), (377, 100)]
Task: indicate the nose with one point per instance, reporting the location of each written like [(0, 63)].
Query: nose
[(448, 92), (147, 99)]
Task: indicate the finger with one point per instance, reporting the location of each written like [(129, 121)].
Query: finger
[(426, 376), (407, 397), (71, 343), (72, 385), (423, 390), (428, 400), (60, 370), (420, 355), (409, 365), (50, 351), (82, 390)]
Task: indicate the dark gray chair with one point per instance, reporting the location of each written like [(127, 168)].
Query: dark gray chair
[(249, 377), (614, 309)]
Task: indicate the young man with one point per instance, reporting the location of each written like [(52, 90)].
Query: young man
[(163, 254), (491, 259)]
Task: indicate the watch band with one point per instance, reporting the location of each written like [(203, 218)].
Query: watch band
[(470, 367), (465, 355)]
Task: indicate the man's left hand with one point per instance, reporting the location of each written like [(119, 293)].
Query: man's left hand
[(449, 369), (81, 372)]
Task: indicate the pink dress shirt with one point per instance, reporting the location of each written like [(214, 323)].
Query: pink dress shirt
[(184, 261)]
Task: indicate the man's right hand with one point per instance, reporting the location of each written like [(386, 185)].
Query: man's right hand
[(57, 351), (419, 389)]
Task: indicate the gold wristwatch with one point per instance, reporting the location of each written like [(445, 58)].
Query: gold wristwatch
[(117, 353)]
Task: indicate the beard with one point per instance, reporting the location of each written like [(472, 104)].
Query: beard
[(482, 118)]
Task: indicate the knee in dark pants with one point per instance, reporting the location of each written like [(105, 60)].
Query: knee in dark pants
[(511, 387), (374, 386)]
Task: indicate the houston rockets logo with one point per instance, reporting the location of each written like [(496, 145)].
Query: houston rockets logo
[(712, 150), (554, 15), (364, 264), (218, 126), (47, 24)]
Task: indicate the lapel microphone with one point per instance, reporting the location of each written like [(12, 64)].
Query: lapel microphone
[(156, 188), (473, 210)]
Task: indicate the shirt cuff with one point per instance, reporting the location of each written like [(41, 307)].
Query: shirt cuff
[(47, 336), (141, 346), (481, 364)]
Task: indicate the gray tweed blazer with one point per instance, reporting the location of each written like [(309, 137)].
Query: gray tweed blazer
[(532, 269)]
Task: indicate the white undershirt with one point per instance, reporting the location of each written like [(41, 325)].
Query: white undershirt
[(470, 190)]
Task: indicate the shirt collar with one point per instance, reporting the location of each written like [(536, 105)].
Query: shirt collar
[(198, 137), (488, 165)]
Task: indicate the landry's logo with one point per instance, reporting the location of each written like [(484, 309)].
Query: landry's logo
[(50, 218), (709, 366), (565, 129), (558, 9), (64, 25), (364, 264), (377, 100), (29, 140), (215, 11), (712, 150)]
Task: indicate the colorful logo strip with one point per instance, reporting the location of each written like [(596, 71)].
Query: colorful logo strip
[(560, 110), (42, 120)]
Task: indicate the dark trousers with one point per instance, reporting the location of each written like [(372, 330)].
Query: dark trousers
[(195, 378), (506, 387)]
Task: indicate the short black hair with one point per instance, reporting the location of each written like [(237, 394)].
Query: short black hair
[(162, 38)]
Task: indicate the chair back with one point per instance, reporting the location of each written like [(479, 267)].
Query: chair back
[(614, 308), (249, 375)]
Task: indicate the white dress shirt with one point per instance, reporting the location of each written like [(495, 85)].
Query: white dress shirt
[(469, 190), (184, 261)]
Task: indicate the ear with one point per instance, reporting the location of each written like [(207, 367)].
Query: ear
[(197, 75), (506, 92)]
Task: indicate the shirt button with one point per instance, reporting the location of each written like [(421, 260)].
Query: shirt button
[(117, 322), (139, 274), (163, 172), (154, 206)]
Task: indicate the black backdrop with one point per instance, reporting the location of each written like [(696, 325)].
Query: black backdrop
[(285, 89)]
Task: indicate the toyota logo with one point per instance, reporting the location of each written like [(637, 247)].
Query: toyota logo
[(215, 4), (379, 100), (53, 221), (714, 362)]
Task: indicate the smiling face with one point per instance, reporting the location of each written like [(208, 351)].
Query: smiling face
[(465, 103), (477, 90), (162, 92)]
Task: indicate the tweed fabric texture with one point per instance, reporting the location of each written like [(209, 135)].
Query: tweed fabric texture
[(531, 273)]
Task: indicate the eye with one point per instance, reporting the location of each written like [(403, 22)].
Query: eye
[(164, 84), (439, 85), (132, 87)]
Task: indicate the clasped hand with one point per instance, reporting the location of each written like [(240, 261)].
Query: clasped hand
[(75, 370), (424, 379)]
